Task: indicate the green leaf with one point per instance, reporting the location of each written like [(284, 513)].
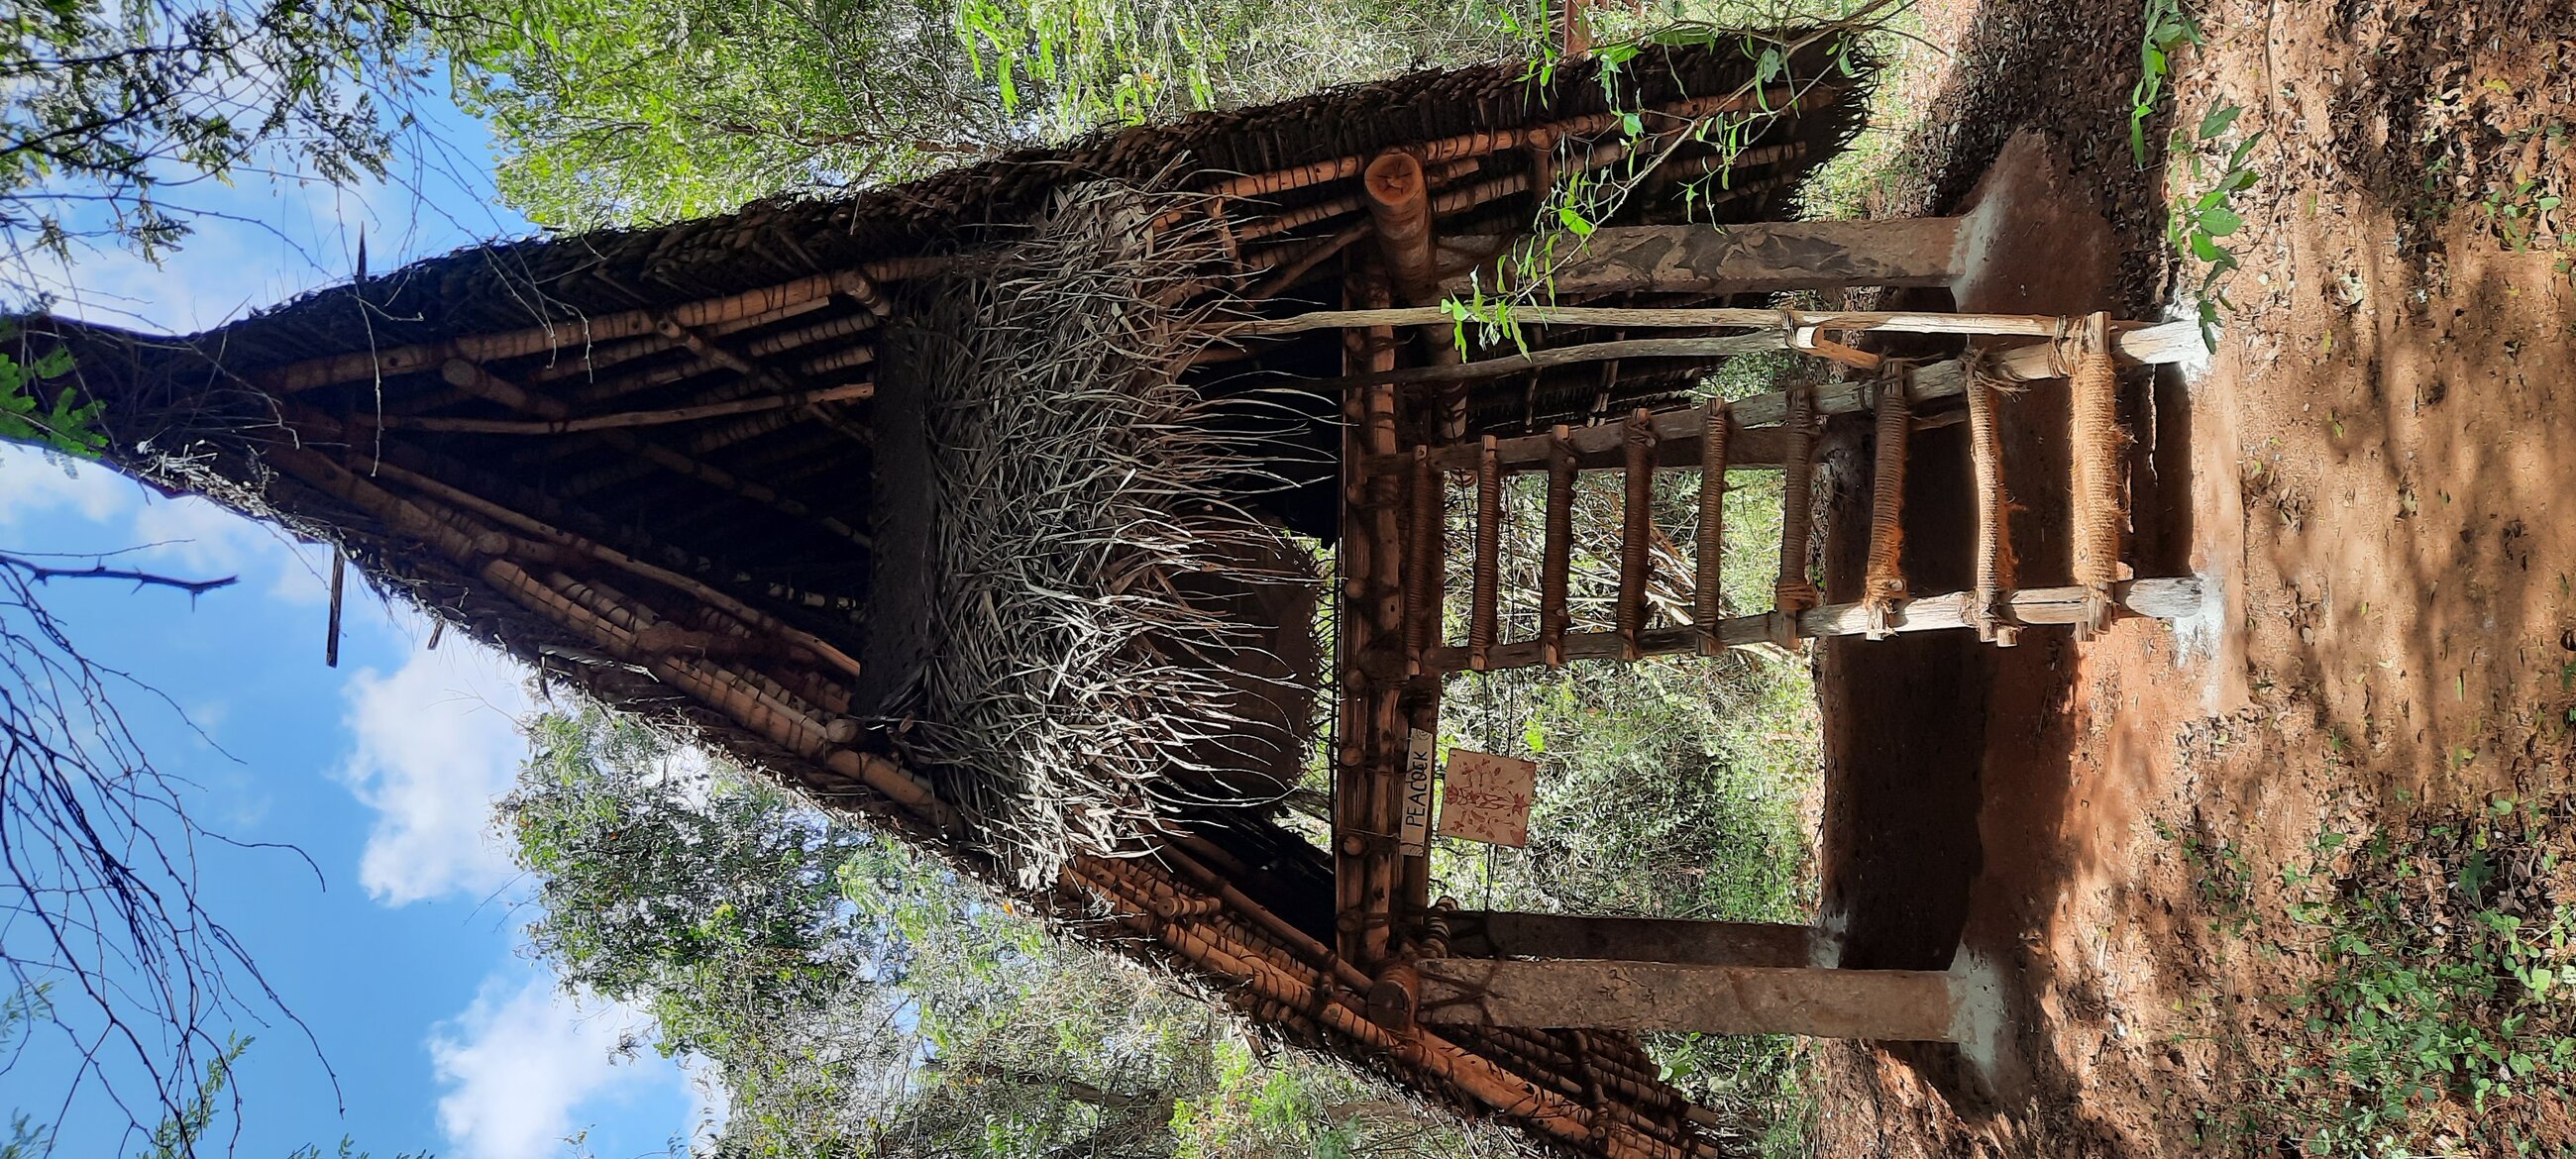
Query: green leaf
[(2218, 120), (1573, 220), (2476, 872), (2220, 221)]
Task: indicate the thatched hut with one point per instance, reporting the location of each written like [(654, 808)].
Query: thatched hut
[(956, 504)]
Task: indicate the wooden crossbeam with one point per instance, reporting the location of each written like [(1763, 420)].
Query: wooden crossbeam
[(2155, 598), (1504, 934), (1878, 1005), (1752, 258)]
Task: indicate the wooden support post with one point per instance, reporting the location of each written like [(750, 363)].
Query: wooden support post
[(1484, 600), (1424, 577), (1794, 591), (1500, 934), (1754, 258), (1557, 544), (1883, 586), (1989, 605), (2095, 451), (1878, 1005), (1399, 202), (1707, 607), (1637, 529)]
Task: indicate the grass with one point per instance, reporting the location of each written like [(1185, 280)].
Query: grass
[(2438, 1017)]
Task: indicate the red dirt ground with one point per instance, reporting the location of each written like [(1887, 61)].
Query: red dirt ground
[(2378, 468)]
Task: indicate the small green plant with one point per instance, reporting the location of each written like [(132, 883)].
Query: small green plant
[(2198, 221), (68, 425), (2168, 29), (2442, 1002), (2514, 211)]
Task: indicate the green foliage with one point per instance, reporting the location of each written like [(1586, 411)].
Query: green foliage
[(859, 997), (2441, 1006), (1773, 38), (111, 102), (68, 426), (626, 111), (2198, 221), (2168, 29)]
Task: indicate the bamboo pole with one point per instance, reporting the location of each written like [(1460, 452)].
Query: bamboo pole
[(750, 616), (1557, 545), (1648, 318), (455, 535), (368, 364), (476, 379), (1709, 560), (1479, 144), (648, 418), (1637, 524)]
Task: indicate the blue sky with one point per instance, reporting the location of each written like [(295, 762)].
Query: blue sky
[(404, 957)]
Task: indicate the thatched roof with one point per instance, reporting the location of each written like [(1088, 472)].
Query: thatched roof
[(684, 468)]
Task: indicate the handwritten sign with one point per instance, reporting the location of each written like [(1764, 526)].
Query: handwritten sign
[(1420, 757), (1488, 798)]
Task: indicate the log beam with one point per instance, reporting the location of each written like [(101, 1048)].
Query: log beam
[(1877, 1005), (1761, 257), (1502, 934)]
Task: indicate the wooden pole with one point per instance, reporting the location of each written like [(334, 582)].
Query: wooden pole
[(2163, 598), (1399, 203), (1557, 544), (1640, 318), (577, 332), (1877, 1005), (1715, 425), (1501, 934), (331, 638), (1637, 526), (1764, 257)]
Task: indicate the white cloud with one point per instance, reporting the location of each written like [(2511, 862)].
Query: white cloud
[(185, 536), (437, 742), (36, 485), (517, 1065)]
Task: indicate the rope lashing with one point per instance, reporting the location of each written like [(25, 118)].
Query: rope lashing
[(1716, 426), (1637, 528), (1558, 543), (1884, 587), (1795, 592), (2096, 445), (1990, 604)]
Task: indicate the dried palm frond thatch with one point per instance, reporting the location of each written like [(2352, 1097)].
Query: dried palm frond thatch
[(1086, 670)]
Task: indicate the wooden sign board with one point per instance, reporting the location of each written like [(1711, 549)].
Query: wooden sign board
[(1421, 757), (1488, 798)]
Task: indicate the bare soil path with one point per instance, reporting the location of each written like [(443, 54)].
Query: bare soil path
[(2379, 467)]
